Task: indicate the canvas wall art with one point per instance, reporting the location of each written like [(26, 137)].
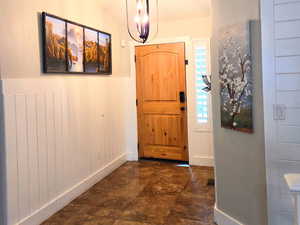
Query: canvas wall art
[(91, 50), (104, 53), (73, 48), (55, 44), (235, 74)]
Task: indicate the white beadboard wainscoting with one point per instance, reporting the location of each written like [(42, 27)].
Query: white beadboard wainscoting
[(61, 136), (281, 53)]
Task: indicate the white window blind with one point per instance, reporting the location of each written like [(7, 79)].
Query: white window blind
[(201, 53)]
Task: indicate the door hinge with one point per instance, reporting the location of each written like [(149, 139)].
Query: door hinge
[(134, 58), (138, 146), (137, 102), (186, 62)]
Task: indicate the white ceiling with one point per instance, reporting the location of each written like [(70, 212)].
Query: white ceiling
[(183, 9), (168, 9)]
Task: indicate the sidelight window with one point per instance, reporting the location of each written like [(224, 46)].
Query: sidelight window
[(201, 52)]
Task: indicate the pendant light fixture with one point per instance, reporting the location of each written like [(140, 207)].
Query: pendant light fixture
[(207, 81), (141, 31)]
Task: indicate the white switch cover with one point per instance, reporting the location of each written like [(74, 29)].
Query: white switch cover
[(279, 112)]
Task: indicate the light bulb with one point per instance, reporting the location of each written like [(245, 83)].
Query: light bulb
[(137, 19), (146, 19), (139, 5)]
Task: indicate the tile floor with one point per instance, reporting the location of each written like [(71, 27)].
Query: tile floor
[(144, 193)]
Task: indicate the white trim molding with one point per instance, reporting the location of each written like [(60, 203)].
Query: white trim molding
[(202, 161), (221, 218), (132, 156)]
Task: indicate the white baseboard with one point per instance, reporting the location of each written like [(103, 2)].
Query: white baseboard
[(202, 161), (65, 198), (131, 156), (221, 218)]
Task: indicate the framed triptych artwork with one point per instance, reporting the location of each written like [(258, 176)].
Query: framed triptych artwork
[(69, 47)]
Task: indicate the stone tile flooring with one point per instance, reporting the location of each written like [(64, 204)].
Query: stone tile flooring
[(144, 193)]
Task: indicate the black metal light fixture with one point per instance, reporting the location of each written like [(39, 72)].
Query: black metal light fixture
[(141, 21), (207, 81)]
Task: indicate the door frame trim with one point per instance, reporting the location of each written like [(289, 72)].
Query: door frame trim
[(132, 148)]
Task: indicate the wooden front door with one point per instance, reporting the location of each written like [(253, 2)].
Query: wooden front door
[(161, 98)]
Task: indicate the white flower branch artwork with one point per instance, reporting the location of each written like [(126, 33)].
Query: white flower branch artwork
[(235, 74)]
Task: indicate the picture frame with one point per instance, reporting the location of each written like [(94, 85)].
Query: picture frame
[(236, 78), (73, 48)]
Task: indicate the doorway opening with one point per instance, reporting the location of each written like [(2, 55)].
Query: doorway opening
[(161, 101)]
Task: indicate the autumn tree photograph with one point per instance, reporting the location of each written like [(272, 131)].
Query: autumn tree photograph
[(104, 53), (91, 50), (55, 41)]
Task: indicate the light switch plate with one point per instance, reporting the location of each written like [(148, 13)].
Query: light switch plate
[(279, 112)]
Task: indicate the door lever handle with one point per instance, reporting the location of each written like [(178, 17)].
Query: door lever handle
[(182, 108), (182, 96)]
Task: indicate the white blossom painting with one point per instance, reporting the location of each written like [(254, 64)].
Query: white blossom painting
[(235, 74)]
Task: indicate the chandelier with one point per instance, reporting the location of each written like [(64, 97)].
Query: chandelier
[(142, 19)]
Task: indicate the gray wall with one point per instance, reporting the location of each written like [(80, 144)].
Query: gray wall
[(239, 157), (2, 163)]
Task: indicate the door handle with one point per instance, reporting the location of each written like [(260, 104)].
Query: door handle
[(182, 108), (182, 97)]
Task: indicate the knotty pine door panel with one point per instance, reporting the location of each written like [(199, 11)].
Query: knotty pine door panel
[(162, 123)]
